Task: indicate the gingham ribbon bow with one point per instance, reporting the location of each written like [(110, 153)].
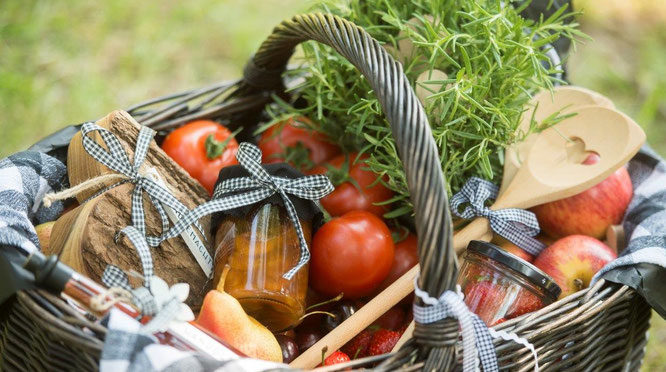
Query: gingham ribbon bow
[(115, 158), (155, 297), (115, 277), (477, 342), (476, 336), (516, 225), (259, 186)]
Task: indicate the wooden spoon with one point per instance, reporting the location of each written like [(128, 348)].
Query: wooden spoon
[(564, 99), (552, 171), (553, 168)]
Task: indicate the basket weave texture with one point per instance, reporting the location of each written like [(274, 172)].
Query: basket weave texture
[(602, 328)]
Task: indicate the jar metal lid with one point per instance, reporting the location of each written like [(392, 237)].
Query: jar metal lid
[(517, 264)]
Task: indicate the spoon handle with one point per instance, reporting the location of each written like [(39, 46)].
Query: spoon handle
[(361, 319), (478, 229)]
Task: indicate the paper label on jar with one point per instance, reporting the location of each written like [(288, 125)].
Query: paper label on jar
[(189, 235)]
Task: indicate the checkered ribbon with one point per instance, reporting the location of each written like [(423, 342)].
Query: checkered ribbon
[(516, 225), (259, 186), (115, 277), (157, 300), (477, 342), (476, 336), (115, 158)]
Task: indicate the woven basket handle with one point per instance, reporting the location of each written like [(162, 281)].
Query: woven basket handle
[(403, 111)]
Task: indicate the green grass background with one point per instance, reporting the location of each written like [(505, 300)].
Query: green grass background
[(65, 62)]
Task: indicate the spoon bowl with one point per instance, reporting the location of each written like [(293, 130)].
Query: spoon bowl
[(554, 170), (564, 99)]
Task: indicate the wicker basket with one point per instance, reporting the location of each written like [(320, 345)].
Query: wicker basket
[(602, 328)]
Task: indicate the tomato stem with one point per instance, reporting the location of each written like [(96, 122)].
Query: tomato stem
[(323, 355), (215, 148), (299, 156), (342, 175)]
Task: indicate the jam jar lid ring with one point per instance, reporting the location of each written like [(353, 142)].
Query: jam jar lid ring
[(534, 274)]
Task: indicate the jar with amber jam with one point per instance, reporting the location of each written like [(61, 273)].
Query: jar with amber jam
[(260, 248)]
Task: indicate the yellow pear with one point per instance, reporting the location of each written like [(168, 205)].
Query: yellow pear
[(44, 235), (223, 315)]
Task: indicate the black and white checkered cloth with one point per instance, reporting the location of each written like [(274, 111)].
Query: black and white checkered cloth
[(519, 226), (476, 339), (113, 276), (128, 348), (642, 264), (25, 178)]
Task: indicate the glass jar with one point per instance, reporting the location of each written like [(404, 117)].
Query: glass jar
[(499, 286), (260, 248)]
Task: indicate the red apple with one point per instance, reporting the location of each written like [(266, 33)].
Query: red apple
[(573, 261), (516, 250), (590, 212), (512, 248)]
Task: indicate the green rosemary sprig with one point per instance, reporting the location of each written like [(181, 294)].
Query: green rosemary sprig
[(493, 60)]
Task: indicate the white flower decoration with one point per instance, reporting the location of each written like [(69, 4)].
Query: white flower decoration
[(177, 293)]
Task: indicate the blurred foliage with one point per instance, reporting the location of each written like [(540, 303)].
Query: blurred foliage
[(65, 62), (626, 60)]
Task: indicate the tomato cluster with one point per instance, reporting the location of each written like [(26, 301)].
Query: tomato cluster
[(354, 252)]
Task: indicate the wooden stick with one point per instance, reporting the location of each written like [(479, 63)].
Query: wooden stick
[(360, 320), (615, 238), (385, 300), (478, 229)]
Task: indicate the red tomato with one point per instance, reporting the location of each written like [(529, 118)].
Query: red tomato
[(202, 148), (356, 187), (405, 257), (292, 142), (351, 254)]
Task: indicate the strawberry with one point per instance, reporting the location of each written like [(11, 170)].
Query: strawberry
[(382, 342), (357, 346), (336, 358), (484, 298), (526, 302)]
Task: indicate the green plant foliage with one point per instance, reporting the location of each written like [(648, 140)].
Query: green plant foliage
[(493, 60)]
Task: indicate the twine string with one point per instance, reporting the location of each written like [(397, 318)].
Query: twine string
[(117, 159)]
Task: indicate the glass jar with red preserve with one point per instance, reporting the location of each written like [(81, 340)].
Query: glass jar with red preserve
[(499, 286)]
